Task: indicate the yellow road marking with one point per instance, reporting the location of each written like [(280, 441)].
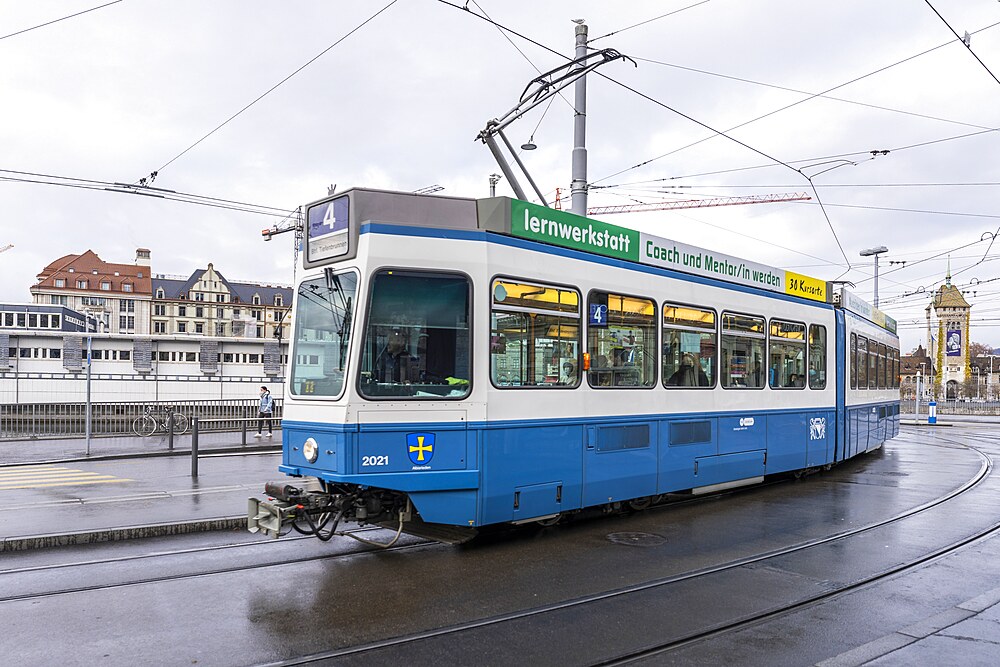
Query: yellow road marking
[(32, 477)]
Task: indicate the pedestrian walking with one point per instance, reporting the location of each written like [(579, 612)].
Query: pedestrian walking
[(264, 412)]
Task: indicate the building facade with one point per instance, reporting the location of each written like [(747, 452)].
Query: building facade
[(118, 296), (948, 340), (206, 303)]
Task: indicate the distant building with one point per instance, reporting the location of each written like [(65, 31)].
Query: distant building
[(206, 303), (948, 339), (913, 366), (35, 317), (117, 295)]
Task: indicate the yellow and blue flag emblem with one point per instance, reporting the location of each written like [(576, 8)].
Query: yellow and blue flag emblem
[(420, 447)]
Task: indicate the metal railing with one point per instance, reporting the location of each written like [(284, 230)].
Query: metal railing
[(20, 421)]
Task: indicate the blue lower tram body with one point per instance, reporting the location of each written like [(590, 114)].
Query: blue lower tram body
[(469, 474)]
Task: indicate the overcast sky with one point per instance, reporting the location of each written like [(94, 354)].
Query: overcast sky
[(114, 94)]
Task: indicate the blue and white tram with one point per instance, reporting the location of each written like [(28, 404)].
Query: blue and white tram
[(459, 363)]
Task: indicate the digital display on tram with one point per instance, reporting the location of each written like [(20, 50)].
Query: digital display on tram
[(327, 229)]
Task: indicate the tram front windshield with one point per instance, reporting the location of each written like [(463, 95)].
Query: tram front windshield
[(416, 343), (323, 316)]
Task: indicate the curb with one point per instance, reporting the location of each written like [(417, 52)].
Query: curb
[(10, 544)]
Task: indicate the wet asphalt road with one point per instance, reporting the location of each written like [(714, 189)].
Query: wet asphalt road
[(246, 601)]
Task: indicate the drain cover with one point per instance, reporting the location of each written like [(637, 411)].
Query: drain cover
[(637, 539)]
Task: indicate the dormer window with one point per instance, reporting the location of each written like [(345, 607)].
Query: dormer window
[(81, 284), (277, 300), (256, 299), (159, 293), (105, 285), (126, 287)]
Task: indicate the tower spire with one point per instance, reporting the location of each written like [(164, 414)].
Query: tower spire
[(947, 278)]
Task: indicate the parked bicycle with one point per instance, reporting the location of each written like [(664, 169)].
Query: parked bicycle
[(156, 418)]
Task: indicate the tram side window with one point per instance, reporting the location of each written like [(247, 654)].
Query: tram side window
[(323, 315), (621, 339), (852, 361), (742, 350), (872, 364), (817, 356), (787, 347), (416, 342), (688, 346), (862, 362), (895, 372), (534, 335), (881, 366)]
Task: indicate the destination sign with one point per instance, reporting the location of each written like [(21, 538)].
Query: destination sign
[(327, 229), (857, 305), (564, 229)]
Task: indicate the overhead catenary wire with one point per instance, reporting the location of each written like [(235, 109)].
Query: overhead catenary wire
[(172, 195), (655, 18), (47, 23), (811, 96), (968, 46)]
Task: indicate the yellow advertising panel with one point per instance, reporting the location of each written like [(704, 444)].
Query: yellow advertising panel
[(805, 287)]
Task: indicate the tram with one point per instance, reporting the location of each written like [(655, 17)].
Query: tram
[(459, 363)]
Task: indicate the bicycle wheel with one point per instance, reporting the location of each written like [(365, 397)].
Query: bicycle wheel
[(180, 423), (144, 426)]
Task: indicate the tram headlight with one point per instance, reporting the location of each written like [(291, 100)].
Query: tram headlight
[(310, 450)]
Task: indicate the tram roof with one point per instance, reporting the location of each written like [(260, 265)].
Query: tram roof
[(330, 222)]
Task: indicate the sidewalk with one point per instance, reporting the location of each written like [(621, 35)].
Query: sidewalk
[(14, 452), (51, 494)]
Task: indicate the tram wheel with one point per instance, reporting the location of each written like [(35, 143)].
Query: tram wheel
[(639, 504)]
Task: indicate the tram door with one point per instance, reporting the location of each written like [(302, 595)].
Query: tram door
[(619, 462)]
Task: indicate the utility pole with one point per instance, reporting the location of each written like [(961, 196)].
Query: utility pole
[(578, 187)]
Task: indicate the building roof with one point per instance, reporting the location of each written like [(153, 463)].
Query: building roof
[(949, 296), (178, 289), (88, 266)]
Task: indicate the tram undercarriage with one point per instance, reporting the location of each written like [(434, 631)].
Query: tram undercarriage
[(318, 508)]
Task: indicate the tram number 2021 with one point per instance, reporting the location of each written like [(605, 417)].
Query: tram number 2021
[(381, 460)]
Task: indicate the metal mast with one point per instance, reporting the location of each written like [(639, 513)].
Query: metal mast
[(578, 188)]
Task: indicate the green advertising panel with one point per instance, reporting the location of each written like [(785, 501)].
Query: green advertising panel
[(547, 225)]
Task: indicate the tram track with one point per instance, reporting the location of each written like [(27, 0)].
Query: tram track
[(122, 560), (545, 616)]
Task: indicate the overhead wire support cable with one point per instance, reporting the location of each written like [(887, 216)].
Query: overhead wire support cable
[(698, 203), (967, 45), (275, 86), (42, 25)]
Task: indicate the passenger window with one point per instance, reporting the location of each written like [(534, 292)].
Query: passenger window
[(881, 366), (853, 361), (817, 356), (621, 339), (787, 347), (688, 346), (862, 362), (534, 335), (742, 351), (872, 364)]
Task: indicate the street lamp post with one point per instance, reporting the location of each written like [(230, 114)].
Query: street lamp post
[(976, 368), (875, 252)]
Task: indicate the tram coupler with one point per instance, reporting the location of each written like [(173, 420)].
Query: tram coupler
[(285, 504)]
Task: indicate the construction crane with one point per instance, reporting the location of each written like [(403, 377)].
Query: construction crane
[(289, 224), (699, 203)]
